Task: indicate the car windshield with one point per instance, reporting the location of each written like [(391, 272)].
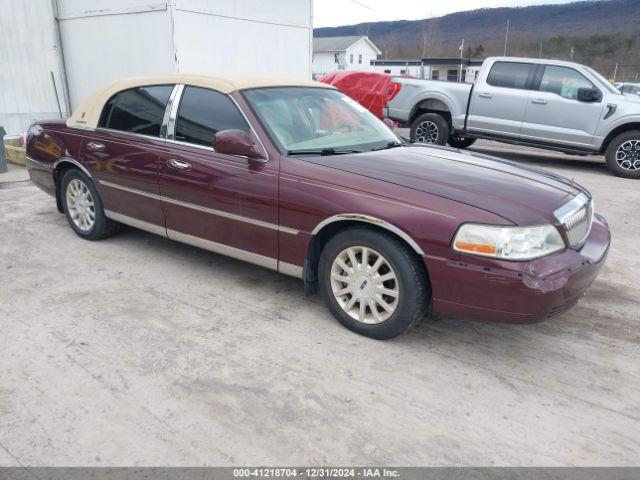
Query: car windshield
[(603, 81), (307, 120)]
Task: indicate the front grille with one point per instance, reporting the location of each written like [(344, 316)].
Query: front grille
[(576, 217)]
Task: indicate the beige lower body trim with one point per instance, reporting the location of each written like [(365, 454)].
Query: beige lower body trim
[(263, 261), (216, 247), (290, 269), (134, 222)]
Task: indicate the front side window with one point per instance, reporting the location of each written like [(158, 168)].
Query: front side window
[(313, 119), (563, 81), (138, 110), (203, 113), (509, 75)]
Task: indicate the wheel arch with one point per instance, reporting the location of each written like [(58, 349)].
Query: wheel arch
[(617, 131), (329, 227), (432, 103), (60, 167)]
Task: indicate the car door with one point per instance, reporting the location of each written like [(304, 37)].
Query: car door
[(499, 100), (224, 203), (554, 113), (123, 155)]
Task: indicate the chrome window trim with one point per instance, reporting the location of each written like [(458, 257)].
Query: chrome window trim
[(133, 134), (200, 208), (173, 112), (167, 111), (173, 117), (358, 217)]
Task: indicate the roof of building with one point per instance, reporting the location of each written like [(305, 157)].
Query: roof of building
[(429, 61), (339, 44), (87, 114)]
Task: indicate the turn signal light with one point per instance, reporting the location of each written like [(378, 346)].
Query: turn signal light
[(475, 247)]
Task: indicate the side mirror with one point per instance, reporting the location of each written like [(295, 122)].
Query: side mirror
[(388, 122), (236, 142), (589, 95)]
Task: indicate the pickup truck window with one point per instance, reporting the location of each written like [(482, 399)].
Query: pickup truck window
[(563, 81), (138, 110), (204, 112), (509, 74)]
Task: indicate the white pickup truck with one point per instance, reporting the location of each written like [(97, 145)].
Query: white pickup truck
[(550, 104)]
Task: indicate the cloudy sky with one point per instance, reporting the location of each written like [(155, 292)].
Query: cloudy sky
[(332, 13)]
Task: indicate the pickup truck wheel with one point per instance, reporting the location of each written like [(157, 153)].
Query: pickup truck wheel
[(623, 155), (430, 128), (373, 283), (461, 142), (83, 207)]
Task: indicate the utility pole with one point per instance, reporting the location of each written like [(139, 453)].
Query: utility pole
[(540, 51), (572, 52), (615, 72), (461, 52), (506, 38)]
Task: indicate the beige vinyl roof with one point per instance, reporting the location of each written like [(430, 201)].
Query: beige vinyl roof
[(87, 114)]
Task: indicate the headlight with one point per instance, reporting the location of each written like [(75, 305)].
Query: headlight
[(508, 243)]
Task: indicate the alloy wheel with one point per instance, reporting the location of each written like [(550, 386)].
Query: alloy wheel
[(80, 204), (628, 155), (427, 132), (364, 285)]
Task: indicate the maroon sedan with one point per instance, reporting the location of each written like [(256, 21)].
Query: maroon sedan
[(299, 178)]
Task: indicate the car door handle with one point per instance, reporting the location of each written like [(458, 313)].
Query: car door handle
[(485, 95), (178, 165), (95, 146), (539, 101)]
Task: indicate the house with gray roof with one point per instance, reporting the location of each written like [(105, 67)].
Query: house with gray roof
[(342, 53)]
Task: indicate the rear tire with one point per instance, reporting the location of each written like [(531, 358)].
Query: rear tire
[(623, 155), (373, 283), (83, 207), (460, 142), (430, 128)]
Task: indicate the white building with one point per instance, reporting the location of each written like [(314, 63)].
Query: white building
[(342, 53), (55, 52), (450, 69)]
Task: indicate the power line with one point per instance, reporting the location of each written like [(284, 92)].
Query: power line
[(362, 4)]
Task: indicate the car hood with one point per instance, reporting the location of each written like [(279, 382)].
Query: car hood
[(521, 194)]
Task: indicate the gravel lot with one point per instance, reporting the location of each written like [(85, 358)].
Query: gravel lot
[(138, 350)]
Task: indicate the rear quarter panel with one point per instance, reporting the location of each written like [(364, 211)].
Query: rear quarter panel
[(48, 143), (414, 91)]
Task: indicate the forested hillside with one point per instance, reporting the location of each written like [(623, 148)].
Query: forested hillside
[(598, 33)]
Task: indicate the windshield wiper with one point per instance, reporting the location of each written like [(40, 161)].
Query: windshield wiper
[(323, 152), (391, 144)]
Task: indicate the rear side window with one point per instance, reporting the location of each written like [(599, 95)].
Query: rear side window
[(204, 112), (509, 74), (138, 110)]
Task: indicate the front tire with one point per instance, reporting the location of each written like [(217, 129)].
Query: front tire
[(460, 142), (83, 207), (373, 283), (623, 155)]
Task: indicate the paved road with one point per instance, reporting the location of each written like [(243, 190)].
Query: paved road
[(141, 351)]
